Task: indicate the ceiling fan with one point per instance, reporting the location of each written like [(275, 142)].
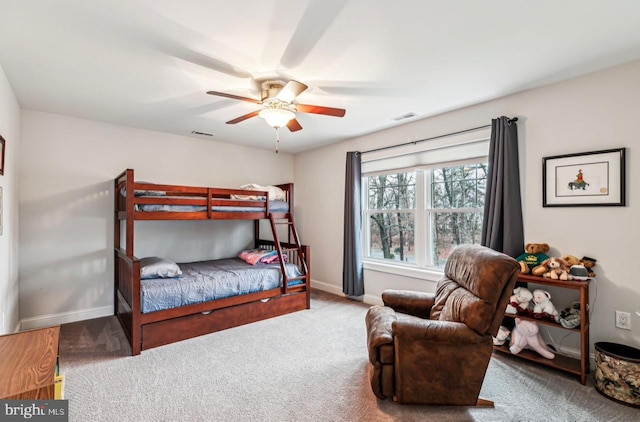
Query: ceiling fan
[(278, 106)]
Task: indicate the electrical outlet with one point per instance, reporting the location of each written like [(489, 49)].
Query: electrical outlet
[(623, 320)]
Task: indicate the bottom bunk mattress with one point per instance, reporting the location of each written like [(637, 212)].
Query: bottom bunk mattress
[(204, 281)]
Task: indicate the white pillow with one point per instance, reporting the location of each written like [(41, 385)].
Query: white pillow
[(155, 267), (275, 193)]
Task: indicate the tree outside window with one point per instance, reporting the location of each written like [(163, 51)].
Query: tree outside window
[(451, 215), (391, 199)]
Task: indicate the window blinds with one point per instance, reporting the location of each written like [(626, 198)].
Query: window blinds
[(450, 149)]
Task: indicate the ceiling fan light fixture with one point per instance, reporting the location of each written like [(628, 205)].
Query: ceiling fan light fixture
[(276, 117)]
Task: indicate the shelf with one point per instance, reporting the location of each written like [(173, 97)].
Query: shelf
[(564, 363), (561, 362), (568, 284), (542, 321)]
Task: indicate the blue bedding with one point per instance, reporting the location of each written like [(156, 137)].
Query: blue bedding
[(274, 206), (209, 280)]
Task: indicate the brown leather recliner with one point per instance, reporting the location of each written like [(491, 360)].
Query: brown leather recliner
[(427, 348)]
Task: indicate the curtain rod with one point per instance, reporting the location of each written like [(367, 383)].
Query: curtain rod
[(515, 119)]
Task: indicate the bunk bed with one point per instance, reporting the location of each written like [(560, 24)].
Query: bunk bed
[(147, 325)]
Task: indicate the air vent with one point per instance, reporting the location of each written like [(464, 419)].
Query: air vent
[(404, 116), (195, 132)]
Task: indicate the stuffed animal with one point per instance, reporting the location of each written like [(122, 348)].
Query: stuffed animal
[(557, 269), (571, 260), (570, 317), (541, 269), (526, 335), (543, 307), (502, 336), (520, 301), (579, 272), (534, 256), (588, 263)]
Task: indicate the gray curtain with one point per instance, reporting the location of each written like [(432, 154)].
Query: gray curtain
[(352, 279), (502, 228)]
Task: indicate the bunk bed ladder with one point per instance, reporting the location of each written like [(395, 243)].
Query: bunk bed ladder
[(292, 234)]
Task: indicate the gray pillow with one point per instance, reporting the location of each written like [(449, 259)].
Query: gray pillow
[(155, 267)]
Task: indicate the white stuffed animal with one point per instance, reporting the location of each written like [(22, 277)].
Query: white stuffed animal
[(520, 301), (526, 335), (543, 307)]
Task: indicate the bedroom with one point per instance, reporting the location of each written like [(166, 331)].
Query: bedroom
[(46, 256)]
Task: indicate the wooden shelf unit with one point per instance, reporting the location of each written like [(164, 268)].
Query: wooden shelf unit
[(28, 364), (580, 366)]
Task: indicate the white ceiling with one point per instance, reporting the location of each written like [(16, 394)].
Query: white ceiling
[(149, 63)]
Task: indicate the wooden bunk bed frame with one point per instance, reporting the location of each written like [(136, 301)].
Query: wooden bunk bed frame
[(148, 330)]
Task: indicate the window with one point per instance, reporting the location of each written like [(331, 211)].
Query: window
[(454, 208), (415, 217), (392, 211)]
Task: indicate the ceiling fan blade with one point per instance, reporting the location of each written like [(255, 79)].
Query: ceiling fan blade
[(294, 125), (235, 97), (329, 111), (315, 21), (206, 61), (243, 118), (291, 90)]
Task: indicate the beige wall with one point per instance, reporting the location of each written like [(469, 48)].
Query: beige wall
[(10, 131), (67, 169), (593, 112)]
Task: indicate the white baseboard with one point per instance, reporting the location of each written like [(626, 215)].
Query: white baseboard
[(337, 290), (373, 299), (65, 317), (567, 351), (575, 353), (326, 287)]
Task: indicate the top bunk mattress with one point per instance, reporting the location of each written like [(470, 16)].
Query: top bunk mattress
[(204, 281), (274, 206)]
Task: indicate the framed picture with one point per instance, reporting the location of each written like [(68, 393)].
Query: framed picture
[(595, 178), (2, 148)]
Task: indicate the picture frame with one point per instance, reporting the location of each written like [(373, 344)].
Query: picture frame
[(594, 178), (2, 149)]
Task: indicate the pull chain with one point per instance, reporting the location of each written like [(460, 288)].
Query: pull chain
[(277, 139)]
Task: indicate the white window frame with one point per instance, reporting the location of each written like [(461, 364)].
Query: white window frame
[(422, 229)]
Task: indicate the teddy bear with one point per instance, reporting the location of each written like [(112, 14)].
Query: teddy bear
[(571, 260), (543, 307), (535, 253), (557, 269), (520, 301), (526, 335)]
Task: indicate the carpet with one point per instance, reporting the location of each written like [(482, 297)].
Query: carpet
[(307, 366)]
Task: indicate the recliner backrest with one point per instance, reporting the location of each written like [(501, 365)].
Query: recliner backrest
[(475, 288)]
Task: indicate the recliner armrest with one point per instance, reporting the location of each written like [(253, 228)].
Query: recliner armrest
[(435, 331), (409, 302), (379, 320)]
